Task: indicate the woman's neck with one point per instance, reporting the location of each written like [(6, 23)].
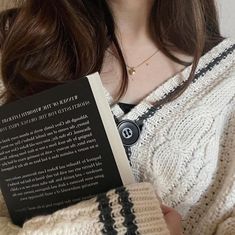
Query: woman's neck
[(132, 19)]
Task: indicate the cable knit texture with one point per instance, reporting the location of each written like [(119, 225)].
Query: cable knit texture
[(186, 151)]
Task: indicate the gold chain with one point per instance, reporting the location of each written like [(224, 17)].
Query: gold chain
[(132, 69)]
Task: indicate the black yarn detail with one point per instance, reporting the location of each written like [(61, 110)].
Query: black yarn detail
[(106, 215), (127, 211), (201, 73), (128, 153)]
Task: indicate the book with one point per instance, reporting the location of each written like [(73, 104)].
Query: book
[(59, 147)]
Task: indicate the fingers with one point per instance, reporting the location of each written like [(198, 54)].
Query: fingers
[(166, 209), (173, 220)]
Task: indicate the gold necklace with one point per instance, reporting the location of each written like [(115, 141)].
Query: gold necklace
[(132, 69)]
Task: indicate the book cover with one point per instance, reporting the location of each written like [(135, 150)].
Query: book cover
[(59, 147)]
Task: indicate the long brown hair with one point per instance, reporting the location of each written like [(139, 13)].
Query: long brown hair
[(45, 42)]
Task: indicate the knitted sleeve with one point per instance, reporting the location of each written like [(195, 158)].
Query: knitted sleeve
[(227, 227), (227, 203), (134, 209)]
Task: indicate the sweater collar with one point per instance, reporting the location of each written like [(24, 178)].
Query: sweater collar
[(214, 58)]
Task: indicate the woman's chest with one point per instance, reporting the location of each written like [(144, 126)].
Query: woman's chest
[(180, 154)]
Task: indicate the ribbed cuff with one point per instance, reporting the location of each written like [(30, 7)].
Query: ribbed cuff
[(128, 210), (134, 209)]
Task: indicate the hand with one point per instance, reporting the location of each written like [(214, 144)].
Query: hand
[(173, 220)]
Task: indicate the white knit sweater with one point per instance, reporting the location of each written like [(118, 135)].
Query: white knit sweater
[(186, 151)]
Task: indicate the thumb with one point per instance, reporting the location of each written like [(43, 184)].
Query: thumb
[(173, 219)]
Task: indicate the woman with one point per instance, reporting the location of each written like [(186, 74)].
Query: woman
[(163, 63)]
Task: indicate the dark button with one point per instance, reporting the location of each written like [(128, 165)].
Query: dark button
[(129, 132)]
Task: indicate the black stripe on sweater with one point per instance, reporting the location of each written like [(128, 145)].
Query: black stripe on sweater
[(106, 214), (127, 211), (214, 62), (200, 73)]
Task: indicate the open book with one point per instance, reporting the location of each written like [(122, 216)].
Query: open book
[(59, 147)]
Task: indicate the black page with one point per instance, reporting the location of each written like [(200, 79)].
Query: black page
[(54, 151)]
